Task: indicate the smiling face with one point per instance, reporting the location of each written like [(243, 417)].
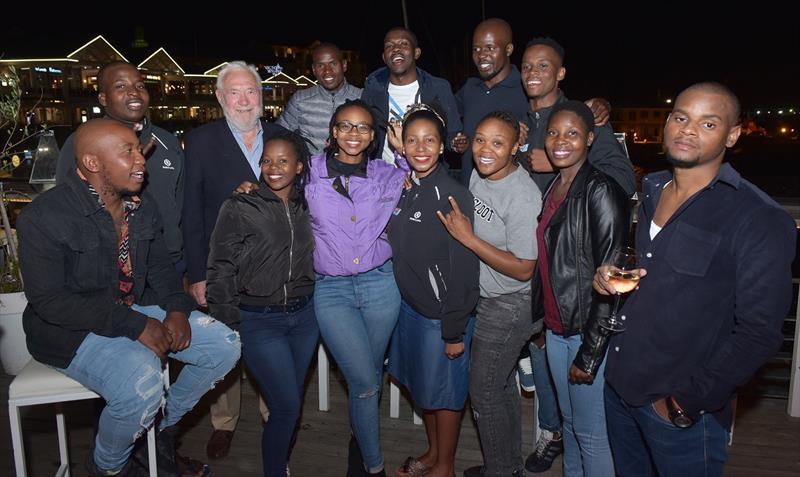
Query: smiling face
[(422, 146), (493, 149), (280, 167), (240, 99), (352, 144), (541, 71), (123, 94), (491, 49), (400, 52), (699, 129), (567, 141), (328, 67)]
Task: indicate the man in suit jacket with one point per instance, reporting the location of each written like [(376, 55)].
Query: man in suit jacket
[(220, 156)]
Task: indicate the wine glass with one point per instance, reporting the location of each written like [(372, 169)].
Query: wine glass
[(624, 278)]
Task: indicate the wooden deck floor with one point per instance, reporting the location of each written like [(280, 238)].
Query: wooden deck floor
[(766, 441)]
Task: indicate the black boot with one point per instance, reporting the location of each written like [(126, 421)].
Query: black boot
[(355, 463), (131, 469), (165, 452)]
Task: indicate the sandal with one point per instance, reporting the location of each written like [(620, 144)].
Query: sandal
[(412, 467)]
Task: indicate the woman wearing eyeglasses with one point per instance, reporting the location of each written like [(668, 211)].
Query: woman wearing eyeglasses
[(356, 300)]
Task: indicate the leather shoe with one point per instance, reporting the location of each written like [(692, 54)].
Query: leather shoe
[(219, 444)]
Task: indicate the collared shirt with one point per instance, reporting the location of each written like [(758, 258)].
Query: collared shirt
[(253, 156), (125, 291), (709, 311), (475, 101)]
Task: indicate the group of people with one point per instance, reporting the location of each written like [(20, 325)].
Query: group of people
[(347, 225)]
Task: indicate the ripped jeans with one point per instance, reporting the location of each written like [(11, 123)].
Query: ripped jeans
[(356, 316), (129, 377)]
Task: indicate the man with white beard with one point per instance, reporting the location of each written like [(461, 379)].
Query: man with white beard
[(220, 156)]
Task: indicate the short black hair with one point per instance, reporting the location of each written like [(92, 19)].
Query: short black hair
[(332, 148), (506, 117), (429, 112), (579, 108), (547, 41), (411, 34), (300, 146), (326, 44), (719, 88), (101, 73)]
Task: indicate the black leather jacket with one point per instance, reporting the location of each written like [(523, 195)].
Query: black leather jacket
[(261, 253), (592, 221)]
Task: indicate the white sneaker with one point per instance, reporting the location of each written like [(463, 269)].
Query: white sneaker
[(526, 374)]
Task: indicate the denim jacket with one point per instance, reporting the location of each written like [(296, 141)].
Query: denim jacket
[(68, 258)]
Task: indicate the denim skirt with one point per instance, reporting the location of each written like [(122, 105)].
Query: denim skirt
[(417, 361)]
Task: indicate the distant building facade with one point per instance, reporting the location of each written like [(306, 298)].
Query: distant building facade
[(62, 91)]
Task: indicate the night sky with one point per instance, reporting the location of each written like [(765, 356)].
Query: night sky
[(614, 52)]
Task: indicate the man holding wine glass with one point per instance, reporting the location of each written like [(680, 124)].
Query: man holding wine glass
[(717, 255)]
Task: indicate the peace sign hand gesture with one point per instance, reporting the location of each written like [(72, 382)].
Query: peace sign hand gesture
[(456, 223)]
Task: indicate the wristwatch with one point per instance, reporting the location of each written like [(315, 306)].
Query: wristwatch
[(676, 415)]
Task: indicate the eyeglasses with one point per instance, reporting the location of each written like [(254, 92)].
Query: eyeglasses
[(345, 127)]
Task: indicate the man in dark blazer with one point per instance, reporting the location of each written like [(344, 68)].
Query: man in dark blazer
[(220, 156)]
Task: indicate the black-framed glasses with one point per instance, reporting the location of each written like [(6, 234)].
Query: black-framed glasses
[(345, 127)]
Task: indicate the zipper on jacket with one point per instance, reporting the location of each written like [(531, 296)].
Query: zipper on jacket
[(291, 250), (347, 186)]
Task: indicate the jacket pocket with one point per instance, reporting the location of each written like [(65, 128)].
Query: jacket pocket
[(691, 249), (85, 270)]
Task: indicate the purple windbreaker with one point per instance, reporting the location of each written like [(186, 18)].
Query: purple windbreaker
[(350, 235)]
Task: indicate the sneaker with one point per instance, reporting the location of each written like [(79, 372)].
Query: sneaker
[(526, 374), (548, 447)]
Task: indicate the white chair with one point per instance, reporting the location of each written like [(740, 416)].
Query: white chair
[(40, 384), (394, 404), (323, 374)]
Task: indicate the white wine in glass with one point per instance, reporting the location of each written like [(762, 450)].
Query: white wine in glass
[(624, 278)]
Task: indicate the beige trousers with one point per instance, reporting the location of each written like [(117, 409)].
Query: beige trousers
[(225, 410)]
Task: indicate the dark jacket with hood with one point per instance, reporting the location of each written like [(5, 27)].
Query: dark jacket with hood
[(432, 91), (593, 219)]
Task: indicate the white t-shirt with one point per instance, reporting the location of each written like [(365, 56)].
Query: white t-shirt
[(505, 216), (400, 98)]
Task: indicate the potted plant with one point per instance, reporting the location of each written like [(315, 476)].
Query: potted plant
[(13, 349)]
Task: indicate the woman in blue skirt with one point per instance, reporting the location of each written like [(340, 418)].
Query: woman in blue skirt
[(438, 282)]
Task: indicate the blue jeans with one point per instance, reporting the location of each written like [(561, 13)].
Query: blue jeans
[(129, 376), (356, 316), (549, 417), (645, 444), (586, 449), (502, 328), (277, 349)]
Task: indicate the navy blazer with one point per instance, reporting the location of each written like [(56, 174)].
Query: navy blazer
[(215, 166)]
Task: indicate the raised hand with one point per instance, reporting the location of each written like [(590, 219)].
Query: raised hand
[(394, 133), (459, 143), (456, 222)]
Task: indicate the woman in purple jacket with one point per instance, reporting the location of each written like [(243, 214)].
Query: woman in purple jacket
[(356, 300)]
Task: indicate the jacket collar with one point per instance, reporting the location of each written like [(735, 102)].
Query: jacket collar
[(577, 188), (726, 174), (381, 75), (333, 171), (266, 193), (86, 202)]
